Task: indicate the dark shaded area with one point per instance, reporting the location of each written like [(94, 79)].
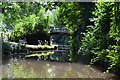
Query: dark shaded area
[(40, 35), (34, 37)]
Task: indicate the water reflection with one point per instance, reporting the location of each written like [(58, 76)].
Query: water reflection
[(50, 69)]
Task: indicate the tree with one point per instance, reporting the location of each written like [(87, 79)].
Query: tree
[(101, 41), (24, 18), (76, 17)]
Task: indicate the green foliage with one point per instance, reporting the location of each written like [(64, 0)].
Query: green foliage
[(114, 50), (19, 10), (2, 26), (28, 25), (101, 42), (96, 37), (70, 15), (24, 18), (76, 17)]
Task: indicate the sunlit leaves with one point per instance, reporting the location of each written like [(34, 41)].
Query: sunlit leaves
[(75, 16), (102, 40), (26, 17)]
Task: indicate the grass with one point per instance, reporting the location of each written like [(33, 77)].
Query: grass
[(40, 46), (11, 46), (42, 54)]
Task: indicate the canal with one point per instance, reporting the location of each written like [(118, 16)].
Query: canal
[(13, 67)]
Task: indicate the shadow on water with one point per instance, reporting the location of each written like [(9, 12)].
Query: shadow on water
[(16, 67)]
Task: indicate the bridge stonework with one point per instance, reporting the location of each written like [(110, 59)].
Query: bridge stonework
[(61, 32)]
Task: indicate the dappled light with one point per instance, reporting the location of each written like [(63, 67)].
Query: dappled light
[(60, 40)]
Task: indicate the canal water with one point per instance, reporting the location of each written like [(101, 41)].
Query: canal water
[(32, 68)]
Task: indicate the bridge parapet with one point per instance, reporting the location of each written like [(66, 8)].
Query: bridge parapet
[(60, 30)]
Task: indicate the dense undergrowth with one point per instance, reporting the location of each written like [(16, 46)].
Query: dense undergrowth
[(102, 40), (95, 32)]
